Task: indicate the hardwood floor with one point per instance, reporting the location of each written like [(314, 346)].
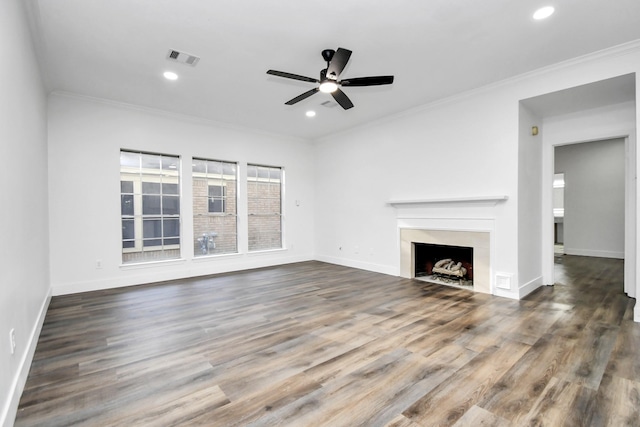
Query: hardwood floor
[(317, 344)]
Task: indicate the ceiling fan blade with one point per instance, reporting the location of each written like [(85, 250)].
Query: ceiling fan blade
[(292, 76), (342, 99), (338, 62), (301, 97), (368, 81)]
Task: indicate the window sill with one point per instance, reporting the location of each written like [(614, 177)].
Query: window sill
[(147, 264), (266, 251), (150, 249), (202, 258)]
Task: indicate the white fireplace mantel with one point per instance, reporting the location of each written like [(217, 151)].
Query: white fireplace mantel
[(450, 200), (456, 221)]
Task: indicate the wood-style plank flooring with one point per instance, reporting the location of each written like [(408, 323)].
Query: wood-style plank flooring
[(318, 344)]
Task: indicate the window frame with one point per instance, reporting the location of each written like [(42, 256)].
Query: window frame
[(229, 200), (139, 218), (280, 213)]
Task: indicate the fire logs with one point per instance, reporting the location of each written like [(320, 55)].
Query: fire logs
[(448, 267)]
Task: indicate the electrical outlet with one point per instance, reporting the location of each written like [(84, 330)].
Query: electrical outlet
[(98, 263), (12, 340)]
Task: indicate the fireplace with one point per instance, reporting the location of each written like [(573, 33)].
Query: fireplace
[(444, 264), (421, 247), (451, 221)]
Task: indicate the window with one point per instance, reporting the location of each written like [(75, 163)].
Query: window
[(264, 199), (127, 214), (215, 221), (149, 206), (217, 196)]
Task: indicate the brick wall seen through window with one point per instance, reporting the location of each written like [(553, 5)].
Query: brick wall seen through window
[(264, 205), (215, 222)]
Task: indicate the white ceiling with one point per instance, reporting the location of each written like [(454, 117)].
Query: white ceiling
[(116, 49), (611, 91)]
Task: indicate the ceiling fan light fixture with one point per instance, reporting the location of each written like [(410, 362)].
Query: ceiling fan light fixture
[(328, 87), (543, 13)]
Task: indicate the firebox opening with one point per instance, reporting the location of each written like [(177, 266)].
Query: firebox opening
[(443, 264)]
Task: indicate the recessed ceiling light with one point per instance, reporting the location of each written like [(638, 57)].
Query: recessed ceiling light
[(310, 113), (543, 13), (169, 75)]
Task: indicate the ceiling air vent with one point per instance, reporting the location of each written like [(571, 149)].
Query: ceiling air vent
[(183, 58)]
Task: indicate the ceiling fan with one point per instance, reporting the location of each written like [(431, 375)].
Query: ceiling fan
[(329, 83)]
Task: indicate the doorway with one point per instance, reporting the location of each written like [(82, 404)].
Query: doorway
[(628, 233), (602, 110), (589, 199)]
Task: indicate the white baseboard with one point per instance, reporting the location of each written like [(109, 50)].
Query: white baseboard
[(505, 293), (529, 287), (158, 272), (361, 265), (594, 253), (10, 409)]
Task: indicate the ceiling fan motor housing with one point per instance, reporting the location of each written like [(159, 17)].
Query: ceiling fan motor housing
[(327, 54)]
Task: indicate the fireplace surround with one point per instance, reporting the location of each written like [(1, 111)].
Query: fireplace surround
[(457, 221), (477, 241)]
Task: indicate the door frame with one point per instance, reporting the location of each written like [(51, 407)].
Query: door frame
[(630, 244)]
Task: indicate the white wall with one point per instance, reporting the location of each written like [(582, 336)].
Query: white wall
[(529, 200), (85, 139), (460, 148), (24, 288), (464, 146), (590, 125), (594, 197)]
